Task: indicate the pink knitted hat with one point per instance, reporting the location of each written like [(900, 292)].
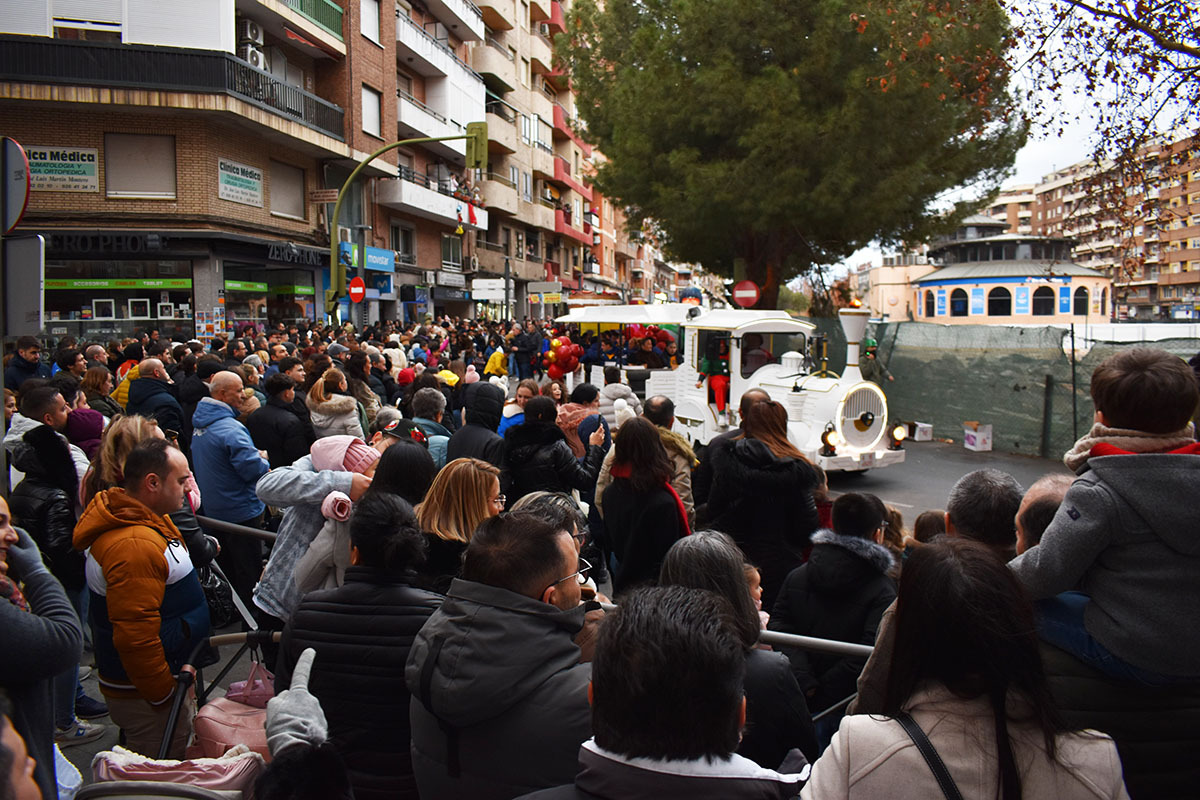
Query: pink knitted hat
[(343, 453), (471, 375)]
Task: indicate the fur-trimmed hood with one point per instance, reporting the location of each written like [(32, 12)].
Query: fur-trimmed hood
[(843, 563), (334, 406)]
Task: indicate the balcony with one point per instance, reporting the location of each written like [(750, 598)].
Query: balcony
[(172, 69), (541, 214), (498, 14), (319, 23), (496, 64), (557, 77), (543, 161), (502, 129), (563, 177), (1177, 278), (540, 54), (490, 257), (562, 227), (557, 21), (500, 194), (539, 10), (461, 16), (430, 57), (424, 196), (415, 119)]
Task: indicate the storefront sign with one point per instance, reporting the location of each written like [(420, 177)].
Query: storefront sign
[(941, 302), (239, 183), (119, 283), (552, 297), (244, 286), (380, 259), (296, 289), (63, 169), (455, 279), (443, 293), (292, 254), (132, 243), (1064, 299), (1021, 303), (381, 283)]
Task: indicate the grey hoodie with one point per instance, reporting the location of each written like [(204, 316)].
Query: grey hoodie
[(1128, 535), (608, 396), (502, 674)]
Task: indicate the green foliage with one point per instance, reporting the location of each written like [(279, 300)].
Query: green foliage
[(785, 132), (793, 301)]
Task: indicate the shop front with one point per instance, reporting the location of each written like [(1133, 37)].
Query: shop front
[(451, 295)]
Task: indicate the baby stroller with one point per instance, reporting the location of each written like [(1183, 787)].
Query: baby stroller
[(121, 774)]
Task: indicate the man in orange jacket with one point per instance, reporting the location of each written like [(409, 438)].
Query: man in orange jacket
[(147, 608)]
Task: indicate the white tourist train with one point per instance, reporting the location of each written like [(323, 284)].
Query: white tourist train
[(839, 422)]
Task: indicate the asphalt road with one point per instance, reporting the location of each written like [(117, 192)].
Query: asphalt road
[(930, 469)]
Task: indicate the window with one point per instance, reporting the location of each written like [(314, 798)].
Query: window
[(371, 112), (404, 242), (404, 84), (958, 303), (527, 187), (999, 302), (524, 15), (1081, 302), (287, 190), (526, 129), (368, 18), (930, 307), (451, 251), (1043, 302), (1104, 302), (514, 175), (525, 72), (139, 166)]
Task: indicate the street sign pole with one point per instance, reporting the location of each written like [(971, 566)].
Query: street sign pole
[(14, 191)]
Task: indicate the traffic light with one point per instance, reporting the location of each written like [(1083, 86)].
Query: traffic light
[(477, 149)]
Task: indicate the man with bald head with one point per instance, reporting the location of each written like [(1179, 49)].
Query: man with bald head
[(227, 467), (1038, 507), (153, 395)]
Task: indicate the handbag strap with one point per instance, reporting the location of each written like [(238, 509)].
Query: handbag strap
[(940, 773)]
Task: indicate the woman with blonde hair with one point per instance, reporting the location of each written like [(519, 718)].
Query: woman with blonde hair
[(116, 443), (464, 494), (333, 410), (761, 467)]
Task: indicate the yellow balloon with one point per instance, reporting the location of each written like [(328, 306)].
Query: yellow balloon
[(555, 343), (552, 356)]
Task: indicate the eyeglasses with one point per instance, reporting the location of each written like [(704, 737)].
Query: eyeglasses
[(581, 577), (580, 538), (499, 499)]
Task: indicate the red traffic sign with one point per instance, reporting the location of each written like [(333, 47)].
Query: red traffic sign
[(358, 290), (746, 293), (15, 183)]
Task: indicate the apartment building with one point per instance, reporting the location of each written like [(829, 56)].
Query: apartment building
[(1154, 263), (182, 156)]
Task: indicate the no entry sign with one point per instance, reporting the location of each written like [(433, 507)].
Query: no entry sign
[(357, 290), (745, 293)]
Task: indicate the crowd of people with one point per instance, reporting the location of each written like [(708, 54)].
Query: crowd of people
[(446, 540)]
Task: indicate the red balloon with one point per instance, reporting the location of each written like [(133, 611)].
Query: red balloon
[(577, 350), (564, 339), (555, 372)]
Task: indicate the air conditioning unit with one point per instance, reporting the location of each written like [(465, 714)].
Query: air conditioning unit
[(544, 28), (249, 32), (252, 56)]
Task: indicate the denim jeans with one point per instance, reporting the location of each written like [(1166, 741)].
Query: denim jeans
[(1060, 622), (66, 685)]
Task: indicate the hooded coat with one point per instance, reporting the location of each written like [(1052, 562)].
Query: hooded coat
[(1125, 535), (609, 393), (363, 632), (538, 458), (766, 504), (151, 397), (44, 502), (337, 416), (147, 610), (840, 594), (499, 702), (227, 463), (477, 438), (278, 429)]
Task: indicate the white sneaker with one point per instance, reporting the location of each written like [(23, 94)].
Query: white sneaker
[(723, 420), (81, 732)]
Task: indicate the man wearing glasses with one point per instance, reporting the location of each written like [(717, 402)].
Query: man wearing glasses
[(499, 691)]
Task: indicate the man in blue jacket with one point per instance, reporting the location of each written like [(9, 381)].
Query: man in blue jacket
[(227, 468)]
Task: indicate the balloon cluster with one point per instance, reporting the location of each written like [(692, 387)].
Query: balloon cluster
[(561, 358), (637, 332)]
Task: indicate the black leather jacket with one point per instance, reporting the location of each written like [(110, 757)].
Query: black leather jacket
[(538, 458)]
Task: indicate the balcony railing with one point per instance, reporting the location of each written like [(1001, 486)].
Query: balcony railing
[(496, 247), (400, 15), (498, 178), (61, 61), (497, 45), (323, 12), (544, 147), (502, 111), (406, 96)]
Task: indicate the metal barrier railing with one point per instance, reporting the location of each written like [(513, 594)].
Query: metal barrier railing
[(221, 526)]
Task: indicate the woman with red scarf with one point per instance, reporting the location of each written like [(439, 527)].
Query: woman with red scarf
[(642, 512)]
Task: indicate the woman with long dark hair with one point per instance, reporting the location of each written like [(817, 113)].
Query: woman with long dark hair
[(764, 498), (966, 672), (777, 716), (643, 514), (362, 632)]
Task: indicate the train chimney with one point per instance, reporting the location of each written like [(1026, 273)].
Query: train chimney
[(854, 324)]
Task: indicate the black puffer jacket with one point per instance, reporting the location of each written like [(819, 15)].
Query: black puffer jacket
[(278, 429), (538, 458), (840, 594), (362, 632), (478, 438), (191, 392), (766, 504), (777, 716), (44, 502)]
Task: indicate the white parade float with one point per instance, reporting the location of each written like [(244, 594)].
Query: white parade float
[(838, 422)]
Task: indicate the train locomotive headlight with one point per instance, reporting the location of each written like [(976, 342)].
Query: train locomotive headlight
[(831, 440), (897, 434)]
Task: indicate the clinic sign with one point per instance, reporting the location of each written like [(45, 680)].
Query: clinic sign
[(239, 183), (63, 169)]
